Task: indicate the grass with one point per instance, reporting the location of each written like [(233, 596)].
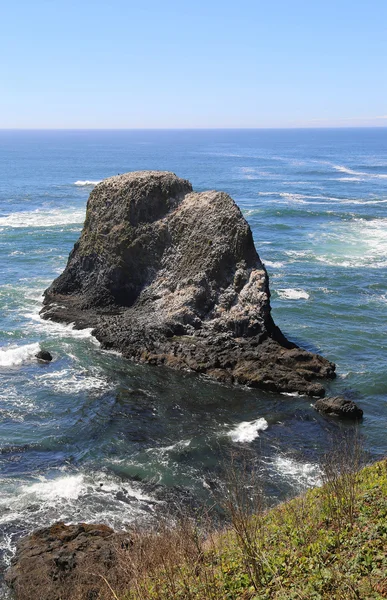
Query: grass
[(330, 543)]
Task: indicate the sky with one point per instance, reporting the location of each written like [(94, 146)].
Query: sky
[(193, 64)]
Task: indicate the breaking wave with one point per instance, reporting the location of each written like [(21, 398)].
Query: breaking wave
[(247, 431), (303, 474), (291, 294), (16, 355), (44, 218), (274, 264), (87, 183)]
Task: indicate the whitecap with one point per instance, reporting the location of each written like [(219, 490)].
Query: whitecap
[(68, 382), (87, 182), (351, 244), (68, 487), (11, 356), (319, 199), (343, 169), (57, 329), (350, 179), (67, 497), (247, 431), (291, 294), (304, 474), (44, 218), (273, 264)]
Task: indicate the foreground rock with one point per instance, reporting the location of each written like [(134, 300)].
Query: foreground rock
[(339, 407), (168, 276), (66, 562)]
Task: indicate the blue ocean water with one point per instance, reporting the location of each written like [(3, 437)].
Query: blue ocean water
[(94, 437)]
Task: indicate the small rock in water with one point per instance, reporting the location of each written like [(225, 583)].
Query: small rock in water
[(44, 355), (339, 407)]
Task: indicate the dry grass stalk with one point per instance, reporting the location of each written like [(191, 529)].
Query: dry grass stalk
[(340, 467)]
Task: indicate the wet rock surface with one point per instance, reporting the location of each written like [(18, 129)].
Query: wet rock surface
[(169, 276), (44, 355), (63, 561), (339, 407)]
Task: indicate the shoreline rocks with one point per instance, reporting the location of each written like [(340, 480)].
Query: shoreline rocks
[(55, 562), (168, 276), (339, 407)]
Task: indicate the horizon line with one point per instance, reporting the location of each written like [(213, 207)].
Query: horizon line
[(192, 128)]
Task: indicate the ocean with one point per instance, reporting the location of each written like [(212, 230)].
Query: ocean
[(93, 437)]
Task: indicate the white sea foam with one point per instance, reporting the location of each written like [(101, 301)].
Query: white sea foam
[(256, 173), (69, 487), (317, 200), (57, 329), (343, 169), (247, 431), (70, 497), (86, 182), (16, 402), (291, 294), (67, 381), (274, 264), (44, 218), (300, 198), (11, 356), (350, 179), (359, 242), (304, 474), (297, 253), (177, 446)]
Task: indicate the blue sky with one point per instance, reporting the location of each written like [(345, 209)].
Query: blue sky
[(169, 63)]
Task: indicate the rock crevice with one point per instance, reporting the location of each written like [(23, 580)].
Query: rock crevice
[(170, 276)]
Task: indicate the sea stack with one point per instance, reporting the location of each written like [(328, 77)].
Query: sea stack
[(169, 276)]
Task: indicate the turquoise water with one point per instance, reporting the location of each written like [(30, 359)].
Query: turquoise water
[(316, 201)]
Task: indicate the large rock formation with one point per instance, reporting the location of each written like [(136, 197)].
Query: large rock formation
[(169, 276)]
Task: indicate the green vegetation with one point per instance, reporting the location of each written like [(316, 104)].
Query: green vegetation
[(327, 544), (330, 543)]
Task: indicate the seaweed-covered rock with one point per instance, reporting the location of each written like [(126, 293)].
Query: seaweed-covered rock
[(169, 276)]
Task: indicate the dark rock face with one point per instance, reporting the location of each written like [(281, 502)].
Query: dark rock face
[(169, 276), (339, 407), (55, 562), (44, 355)]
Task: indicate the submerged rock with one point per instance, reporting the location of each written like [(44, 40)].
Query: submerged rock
[(61, 562), (169, 276), (339, 407)]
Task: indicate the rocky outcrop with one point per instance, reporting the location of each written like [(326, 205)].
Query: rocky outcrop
[(63, 562), (169, 276), (44, 355), (339, 407)]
